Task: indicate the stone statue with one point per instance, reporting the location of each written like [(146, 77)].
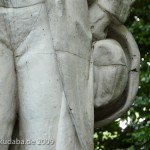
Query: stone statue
[(66, 66)]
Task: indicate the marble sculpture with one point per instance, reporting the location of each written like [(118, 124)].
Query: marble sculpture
[(66, 66)]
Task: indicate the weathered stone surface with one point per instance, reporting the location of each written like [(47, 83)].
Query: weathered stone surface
[(118, 8), (66, 66), (124, 102), (110, 71)]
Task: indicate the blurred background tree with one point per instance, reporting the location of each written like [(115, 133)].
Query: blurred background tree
[(132, 131)]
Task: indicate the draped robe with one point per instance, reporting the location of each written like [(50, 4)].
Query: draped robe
[(72, 42)]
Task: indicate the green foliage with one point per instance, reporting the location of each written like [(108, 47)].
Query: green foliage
[(135, 135)]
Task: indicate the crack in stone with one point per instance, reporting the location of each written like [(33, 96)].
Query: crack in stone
[(72, 54), (110, 65), (134, 70)]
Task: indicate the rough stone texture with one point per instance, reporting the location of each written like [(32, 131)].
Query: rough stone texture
[(60, 74), (122, 103), (105, 20), (118, 8), (110, 70)]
